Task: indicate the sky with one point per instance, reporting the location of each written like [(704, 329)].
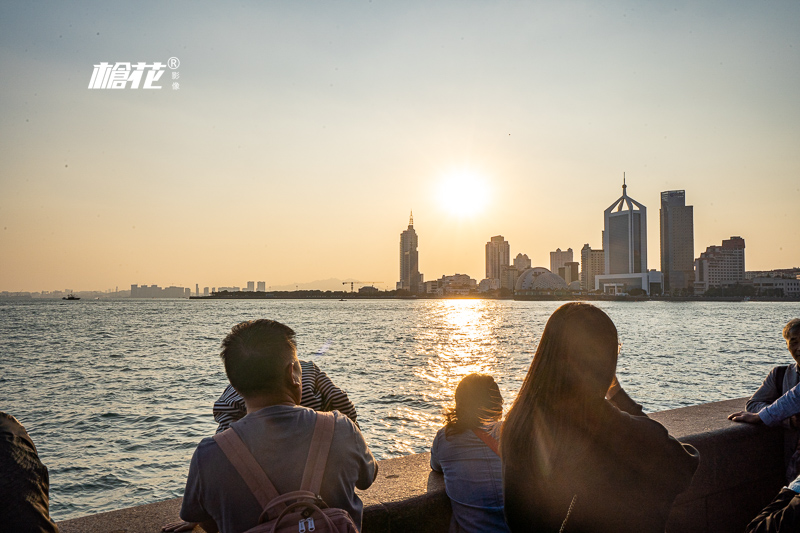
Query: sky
[(301, 135)]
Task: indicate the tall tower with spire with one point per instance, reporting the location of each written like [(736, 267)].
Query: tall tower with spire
[(625, 235), (410, 278)]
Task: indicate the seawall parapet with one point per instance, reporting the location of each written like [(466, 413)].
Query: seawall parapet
[(741, 469)]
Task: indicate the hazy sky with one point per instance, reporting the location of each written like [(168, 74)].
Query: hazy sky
[(302, 133)]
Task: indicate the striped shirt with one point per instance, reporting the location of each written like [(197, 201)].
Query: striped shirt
[(319, 394)]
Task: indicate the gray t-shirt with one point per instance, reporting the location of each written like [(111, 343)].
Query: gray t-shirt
[(279, 437)]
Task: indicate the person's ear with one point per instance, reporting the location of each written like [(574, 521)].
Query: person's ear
[(293, 373)]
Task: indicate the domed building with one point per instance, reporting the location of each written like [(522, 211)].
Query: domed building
[(575, 286), (538, 279)]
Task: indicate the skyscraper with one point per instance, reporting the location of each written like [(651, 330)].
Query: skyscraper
[(677, 241), (410, 278), (625, 249), (625, 236), (498, 255)]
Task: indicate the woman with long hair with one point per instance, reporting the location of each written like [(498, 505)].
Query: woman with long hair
[(465, 450), (578, 454)]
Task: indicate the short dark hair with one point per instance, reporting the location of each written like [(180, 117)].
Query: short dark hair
[(792, 325), (255, 354)]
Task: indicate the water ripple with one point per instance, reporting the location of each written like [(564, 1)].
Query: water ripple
[(116, 395)]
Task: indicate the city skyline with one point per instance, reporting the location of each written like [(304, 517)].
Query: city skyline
[(291, 139)]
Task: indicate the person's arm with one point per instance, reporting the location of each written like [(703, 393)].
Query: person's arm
[(368, 466), (782, 408), (435, 465), (773, 414), (229, 408), (782, 515), (334, 398), (769, 391), (620, 399)]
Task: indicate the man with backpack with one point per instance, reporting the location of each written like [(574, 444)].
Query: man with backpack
[(261, 362)]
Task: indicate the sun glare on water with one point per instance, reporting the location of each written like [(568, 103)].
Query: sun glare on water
[(463, 193)]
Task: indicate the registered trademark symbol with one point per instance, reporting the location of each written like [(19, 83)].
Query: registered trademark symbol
[(173, 62)]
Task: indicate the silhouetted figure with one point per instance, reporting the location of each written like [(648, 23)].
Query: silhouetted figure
[(577, 451), (24, 482)]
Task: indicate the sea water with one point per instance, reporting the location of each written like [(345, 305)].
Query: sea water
[(116, 394)]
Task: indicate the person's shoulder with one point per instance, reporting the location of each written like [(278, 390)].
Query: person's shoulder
[(341, 420), (626, 423), (308, 366)]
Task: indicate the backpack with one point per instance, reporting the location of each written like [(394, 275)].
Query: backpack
[(298, 511)]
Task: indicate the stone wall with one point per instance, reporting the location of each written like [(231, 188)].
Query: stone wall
[(741, 469)]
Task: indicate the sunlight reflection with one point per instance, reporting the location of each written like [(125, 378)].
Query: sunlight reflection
[(459, 340)]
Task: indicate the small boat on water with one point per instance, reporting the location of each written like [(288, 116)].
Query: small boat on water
[(70, 297)]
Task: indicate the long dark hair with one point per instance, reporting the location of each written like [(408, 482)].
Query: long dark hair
[(573, 367), (478, 401)]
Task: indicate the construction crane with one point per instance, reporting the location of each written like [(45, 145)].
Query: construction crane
[(354, 282)]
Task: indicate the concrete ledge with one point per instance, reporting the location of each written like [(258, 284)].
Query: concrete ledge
[(741, 469)]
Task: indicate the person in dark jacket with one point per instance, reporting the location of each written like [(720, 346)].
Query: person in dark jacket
[(782, 515), (579, 454), (24, 482)]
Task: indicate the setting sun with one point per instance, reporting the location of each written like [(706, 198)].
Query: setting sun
[(463, 193)]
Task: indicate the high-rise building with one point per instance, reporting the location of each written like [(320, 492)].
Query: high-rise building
[(593, 263), (251, 286), (498, 255), (720, 266), (558, 259), (625, 249), (625, 236), (677, 241), (261, 286), (410, 278), (521, 262)]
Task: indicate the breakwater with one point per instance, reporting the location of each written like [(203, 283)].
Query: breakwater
[(741, 469)]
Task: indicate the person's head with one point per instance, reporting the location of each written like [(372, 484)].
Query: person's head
[(260, 358), (791, 332), (577, 353), (478, 401), (571, 371)]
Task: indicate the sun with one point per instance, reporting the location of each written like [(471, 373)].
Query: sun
[(463, 193)]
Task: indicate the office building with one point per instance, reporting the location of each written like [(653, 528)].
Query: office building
[(558, 259), (498, 255), (593, 264), (625, 236), (677, 241), (720, 266), (261, 286), (251, 286), (410, 278), (625, 248)]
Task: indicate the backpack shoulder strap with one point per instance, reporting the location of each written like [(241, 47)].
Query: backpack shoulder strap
[(240, 457), (318, 453)]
